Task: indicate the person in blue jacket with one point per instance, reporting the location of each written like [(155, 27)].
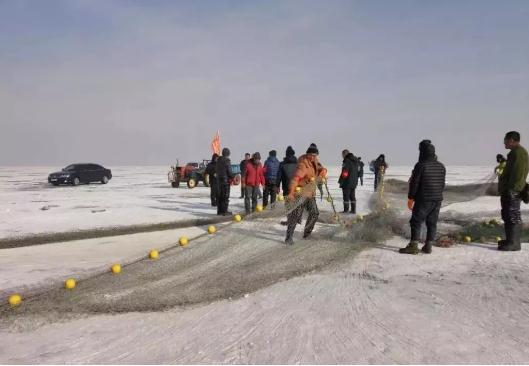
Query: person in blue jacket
[(272, 178)]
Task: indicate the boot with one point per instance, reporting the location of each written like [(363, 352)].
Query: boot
[(345, 207), (514, 234), (411, 248), (289, 241), (427, 248), (507, 239), (353, 208)]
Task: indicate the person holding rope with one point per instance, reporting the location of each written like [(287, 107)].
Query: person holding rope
[(308, 171), (512, 187)]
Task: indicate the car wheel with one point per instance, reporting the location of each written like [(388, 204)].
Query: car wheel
[(237, 180), (175, 184), (191, 183), (206, 180), (76, 181), (104, 180)]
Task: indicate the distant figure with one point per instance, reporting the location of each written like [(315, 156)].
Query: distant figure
[(242, 165), (307, 171), (511, 185), (348, 181), (212, 176), (360, 170), (379, 169), (502, 162), (253, 179), (425, 195), (272, 175), (225, 178)]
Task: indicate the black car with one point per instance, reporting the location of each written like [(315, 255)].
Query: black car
[(76, 174)]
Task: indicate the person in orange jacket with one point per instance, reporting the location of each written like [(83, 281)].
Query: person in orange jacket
[(308, 172)]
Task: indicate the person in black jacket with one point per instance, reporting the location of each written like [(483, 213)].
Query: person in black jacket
[(211, 171), (242, 165), (224, 178), (348, 181), (425, 195), (360, 170), (379, 169), (287, 168)]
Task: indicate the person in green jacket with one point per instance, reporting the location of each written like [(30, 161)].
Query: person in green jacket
[(511, 183)]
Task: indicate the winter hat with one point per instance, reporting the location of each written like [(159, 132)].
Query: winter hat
[(290, 151), (428, 150), (272, 153), (226, 152), (424, 143), (313, 149)]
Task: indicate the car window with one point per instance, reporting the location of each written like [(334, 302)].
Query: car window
[(93, 167), (70, 168)]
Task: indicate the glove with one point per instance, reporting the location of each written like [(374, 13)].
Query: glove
[(410, 204)]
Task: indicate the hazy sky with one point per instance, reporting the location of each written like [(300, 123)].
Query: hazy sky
[(146, 82)]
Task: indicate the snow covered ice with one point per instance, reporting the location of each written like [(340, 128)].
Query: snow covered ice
[(240, 295)]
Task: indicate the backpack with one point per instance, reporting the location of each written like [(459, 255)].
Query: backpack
[(524, 195)]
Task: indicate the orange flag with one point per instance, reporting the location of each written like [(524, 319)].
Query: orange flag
[(215, 144)]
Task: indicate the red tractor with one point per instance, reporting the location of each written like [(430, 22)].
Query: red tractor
[(194, 173)]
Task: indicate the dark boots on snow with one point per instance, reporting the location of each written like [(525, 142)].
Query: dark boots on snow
[(411, 248), (513, 237), (353, 208), (345, 207), (427, 247)]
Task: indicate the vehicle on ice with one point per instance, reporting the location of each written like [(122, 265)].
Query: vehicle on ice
[(194, 173), (76, 174)]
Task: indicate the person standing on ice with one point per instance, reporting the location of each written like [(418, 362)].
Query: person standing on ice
[(425, 195), (379, 169), (211, 171), (225, 177), (271, 187), (511, 185), (242, 165), (287, 168), (360, 170), (308, 172), (253, 179), (348, 181)]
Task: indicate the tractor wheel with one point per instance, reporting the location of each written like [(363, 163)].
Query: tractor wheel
[(191, 183), (175, 184), (206, 180)]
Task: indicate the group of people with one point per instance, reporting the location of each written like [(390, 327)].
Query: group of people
[(427, 184), (303, 176)]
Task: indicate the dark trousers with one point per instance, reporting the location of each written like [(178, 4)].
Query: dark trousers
[(250, 194), (270, 189), (214, 191), (295, 215), (223, 199), (378, 178), (425, 211), (243, 187), (349, 199), (510, 208)]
